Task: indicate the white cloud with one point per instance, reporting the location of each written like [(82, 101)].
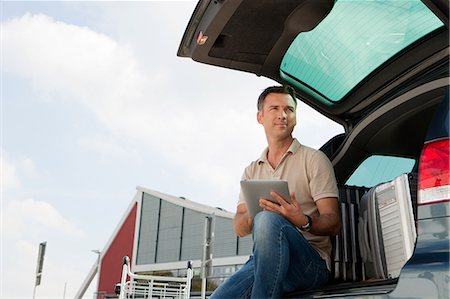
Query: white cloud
[(26, 223), (24, 254), (9, 176), (13, 171), (28, 168), (60, 272), (314, 129), (34, 218), (70, 62), (107, 148)]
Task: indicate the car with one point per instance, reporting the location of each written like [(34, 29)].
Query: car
[(381, 70)]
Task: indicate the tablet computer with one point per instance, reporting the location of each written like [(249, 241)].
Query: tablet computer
[(253, 190)]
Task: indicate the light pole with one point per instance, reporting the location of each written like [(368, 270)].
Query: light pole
[(208, 240)]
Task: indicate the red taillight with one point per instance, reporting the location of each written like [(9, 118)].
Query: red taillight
[(434, 182)]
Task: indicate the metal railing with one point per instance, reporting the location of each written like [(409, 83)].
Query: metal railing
[(151, 286)]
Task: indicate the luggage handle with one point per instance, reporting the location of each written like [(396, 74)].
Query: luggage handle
[(363, 237)]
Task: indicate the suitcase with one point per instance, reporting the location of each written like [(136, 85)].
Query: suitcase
[(386, 226), (347, 263)]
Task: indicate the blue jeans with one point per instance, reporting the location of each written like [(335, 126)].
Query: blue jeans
[(282, 261)]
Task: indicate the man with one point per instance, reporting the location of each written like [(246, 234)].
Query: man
[(292, 247)]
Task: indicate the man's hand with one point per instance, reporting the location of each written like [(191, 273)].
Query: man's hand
[(242, 222), (288, 209), (327, 223)]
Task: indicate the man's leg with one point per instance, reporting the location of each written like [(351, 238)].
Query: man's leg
[(283, 259), (238, 285)]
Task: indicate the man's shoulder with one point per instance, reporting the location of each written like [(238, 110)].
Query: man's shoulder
[(305, 150), (311, 156)]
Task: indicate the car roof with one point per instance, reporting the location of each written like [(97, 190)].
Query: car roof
[(327, 50)]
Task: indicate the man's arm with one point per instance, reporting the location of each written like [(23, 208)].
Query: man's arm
[(242, 222), (327, 223)]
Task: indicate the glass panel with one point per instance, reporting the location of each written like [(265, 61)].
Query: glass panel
[(334, 57), (148, 230), (193, 230), (380, 169), (169, 238), (225, 239)]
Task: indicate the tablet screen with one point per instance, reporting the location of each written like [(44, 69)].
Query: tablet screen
[(253, 190)]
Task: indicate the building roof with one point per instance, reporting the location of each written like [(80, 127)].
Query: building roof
[(181, 201)]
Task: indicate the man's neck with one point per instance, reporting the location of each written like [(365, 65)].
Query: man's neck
[(277, 149)]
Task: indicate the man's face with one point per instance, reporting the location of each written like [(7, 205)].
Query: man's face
[(278, 115)]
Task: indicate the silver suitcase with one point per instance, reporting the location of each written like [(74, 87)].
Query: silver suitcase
[(387, 231)]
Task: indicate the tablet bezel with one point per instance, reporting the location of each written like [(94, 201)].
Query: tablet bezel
[(253, 190)]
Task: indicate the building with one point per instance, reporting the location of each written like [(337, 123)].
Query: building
[(161, 233)]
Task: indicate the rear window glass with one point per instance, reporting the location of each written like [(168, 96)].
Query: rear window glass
[(379, 169), (334, 57)]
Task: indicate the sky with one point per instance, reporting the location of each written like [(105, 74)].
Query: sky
[(94, 102)]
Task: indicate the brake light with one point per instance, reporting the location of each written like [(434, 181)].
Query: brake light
[(201, 38), (434, 182)]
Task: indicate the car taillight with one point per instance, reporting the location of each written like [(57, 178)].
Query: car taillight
[(434, 183)]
